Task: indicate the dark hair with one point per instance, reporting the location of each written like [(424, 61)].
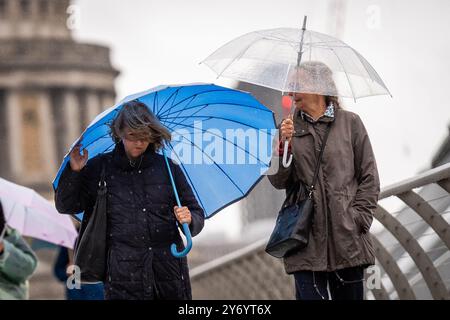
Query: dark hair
[(334, 100), (136, 116)]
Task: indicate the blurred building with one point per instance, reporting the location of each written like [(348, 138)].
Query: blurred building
[(51, 87)]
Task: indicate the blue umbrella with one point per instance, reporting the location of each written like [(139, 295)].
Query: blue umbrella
[(222, 139)]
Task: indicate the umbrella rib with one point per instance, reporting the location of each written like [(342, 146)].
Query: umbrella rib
[(101, 137), (287, 75), (237, 57), (346, 47), (98, 123), (343, 68), (188, 177), (273, 36), (203, 107), (211, 117), (221, 103), (12, 209), (197, 94), (155, 101), (310, 47), (325, 45), (163, 113), (155, 105), (110, 145), (173, 104), (368, 73), (231, 142), (382, 83), (24, 219), (175, 93), (179, 111), (310, 43), (275, 39), (215, 164)]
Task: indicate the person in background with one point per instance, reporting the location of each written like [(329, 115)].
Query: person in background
[(17, 263), (62, 272)]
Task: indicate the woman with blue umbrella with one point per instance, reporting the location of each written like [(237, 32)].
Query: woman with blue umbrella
[(142, 209), (222, 140)]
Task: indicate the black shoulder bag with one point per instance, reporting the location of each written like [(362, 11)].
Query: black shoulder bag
[(293, 225), (90, 251)]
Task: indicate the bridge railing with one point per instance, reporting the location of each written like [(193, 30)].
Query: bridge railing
[(412, 248)]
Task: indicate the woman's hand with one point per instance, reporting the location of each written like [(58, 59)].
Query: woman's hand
[(287, 128), (183, 214), (78, 161)]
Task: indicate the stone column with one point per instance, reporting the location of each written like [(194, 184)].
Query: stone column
[(47, 138), (13, 116), (93, 106), (108, 100), (71, 116)]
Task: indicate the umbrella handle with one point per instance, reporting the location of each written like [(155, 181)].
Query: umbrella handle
[(187, 232), (286, 162), (183, 253)]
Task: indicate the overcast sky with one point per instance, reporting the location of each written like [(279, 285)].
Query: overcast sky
[(162, 41)]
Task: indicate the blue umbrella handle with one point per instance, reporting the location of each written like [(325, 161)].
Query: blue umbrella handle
[(187, 232), (173, 247)]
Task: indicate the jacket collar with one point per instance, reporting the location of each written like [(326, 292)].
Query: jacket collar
[(303, 126), (121, 160), (327, 116)]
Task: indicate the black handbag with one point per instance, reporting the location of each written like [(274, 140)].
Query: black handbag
[(293, 225), (90, 250)]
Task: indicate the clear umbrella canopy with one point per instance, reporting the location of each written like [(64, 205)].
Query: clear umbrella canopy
[(296, 60)]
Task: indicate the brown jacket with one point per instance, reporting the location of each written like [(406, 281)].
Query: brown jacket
[(346, 193)]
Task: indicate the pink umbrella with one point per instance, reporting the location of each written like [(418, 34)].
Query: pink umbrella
[(34, 216)]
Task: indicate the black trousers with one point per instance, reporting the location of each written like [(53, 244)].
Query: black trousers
[(344, 284)]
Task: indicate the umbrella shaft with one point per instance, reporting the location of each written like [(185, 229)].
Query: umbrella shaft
[(299, 57), (2, 234), (171, 179)]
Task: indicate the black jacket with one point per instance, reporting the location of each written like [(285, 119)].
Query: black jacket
[(141, 222)]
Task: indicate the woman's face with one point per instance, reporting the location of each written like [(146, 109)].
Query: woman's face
[(135, 143), (303, 100)]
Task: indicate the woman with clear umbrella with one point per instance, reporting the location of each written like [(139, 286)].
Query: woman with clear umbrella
[(315, 69), (345, 194)]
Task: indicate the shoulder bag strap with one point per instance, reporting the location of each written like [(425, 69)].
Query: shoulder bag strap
[(319, 159)]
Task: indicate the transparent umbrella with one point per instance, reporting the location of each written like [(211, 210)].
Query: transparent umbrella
[(297, 60)]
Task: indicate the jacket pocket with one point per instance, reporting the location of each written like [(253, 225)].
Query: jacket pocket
[(357, 220), (124, 265)]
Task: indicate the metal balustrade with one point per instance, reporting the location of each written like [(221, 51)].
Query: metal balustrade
[(412, 248)]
